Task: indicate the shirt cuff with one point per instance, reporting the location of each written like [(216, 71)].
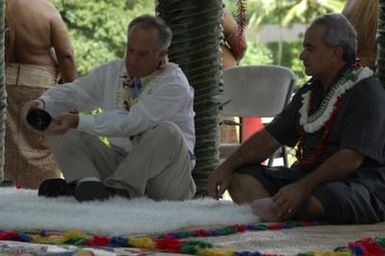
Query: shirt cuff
[(86, 123), (47, 104)]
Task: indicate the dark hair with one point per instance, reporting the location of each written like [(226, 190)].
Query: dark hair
[(147, 21), (339, 32)]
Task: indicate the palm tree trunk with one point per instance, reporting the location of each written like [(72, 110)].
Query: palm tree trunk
[(2, 90), (381, 42), (197, 30)]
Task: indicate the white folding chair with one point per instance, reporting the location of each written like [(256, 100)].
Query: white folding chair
[(256, 91)]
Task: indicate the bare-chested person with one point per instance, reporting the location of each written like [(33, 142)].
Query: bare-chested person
[(38, 56), (363, 14), (233, 49)]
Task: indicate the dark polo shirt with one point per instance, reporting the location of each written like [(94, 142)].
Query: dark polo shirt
[(359, 126)]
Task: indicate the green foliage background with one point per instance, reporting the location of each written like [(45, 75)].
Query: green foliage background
[(98, 28), (282, 13)]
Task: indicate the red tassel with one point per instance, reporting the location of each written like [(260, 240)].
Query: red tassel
[(98, 240), (10, 235), (201, 233), (19, 186), (370, 246), (276, 226), (169, 243), (241, 228)]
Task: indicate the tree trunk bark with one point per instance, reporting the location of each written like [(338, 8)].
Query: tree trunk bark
[(2, 90), (197, 30)]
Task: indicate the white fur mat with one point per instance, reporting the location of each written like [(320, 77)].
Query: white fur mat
[(24, 210)]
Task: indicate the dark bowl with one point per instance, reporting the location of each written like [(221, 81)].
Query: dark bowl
[(39, 119)]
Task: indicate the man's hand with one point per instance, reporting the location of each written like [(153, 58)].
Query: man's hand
[(219, 181), (62, 123), (288, 200), (283, 205)]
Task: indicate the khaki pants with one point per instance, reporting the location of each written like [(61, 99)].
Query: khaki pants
[(28, 158), (158, 166)]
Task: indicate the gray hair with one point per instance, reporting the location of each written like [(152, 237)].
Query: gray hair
[(339, 32), (147, 21)]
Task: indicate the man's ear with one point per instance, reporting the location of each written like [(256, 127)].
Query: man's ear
[(162, 58), (339, 52)]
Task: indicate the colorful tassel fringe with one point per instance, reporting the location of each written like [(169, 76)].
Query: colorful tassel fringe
[(173, 242)]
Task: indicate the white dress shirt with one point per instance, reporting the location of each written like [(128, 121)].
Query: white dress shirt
[(164, 96)]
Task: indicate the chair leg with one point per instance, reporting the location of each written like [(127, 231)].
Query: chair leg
[(284, 156), (240, 130)]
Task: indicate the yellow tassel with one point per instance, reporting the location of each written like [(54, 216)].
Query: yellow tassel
[(84, 253), (48, 240), (56, 240), (344, 252), (142, 242), (74, 234), (216, 251), (38, 239)]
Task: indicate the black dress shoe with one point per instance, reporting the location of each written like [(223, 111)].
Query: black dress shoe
[(90, 191), (118, 192), (56, 187)]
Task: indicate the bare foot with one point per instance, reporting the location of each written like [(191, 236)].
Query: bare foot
[(262, 208)]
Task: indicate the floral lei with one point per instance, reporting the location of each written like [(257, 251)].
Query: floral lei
[(312, 121), (125, 95)]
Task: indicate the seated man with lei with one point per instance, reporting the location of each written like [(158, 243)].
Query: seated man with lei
[(337, 121), (148, 117)]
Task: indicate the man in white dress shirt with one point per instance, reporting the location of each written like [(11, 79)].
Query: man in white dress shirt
[(147, 116)]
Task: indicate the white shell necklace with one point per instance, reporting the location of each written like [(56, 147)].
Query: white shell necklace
[(315, 121)]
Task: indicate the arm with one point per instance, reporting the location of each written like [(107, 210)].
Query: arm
[(85, 93), (165, 101), (256, 149), (62, 49), (281, 131), (149, 111)]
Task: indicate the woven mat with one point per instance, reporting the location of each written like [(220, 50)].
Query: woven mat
[(11, 248), (301, 239), (240, 240)]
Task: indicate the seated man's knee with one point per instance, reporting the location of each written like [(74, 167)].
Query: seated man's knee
[(70, 140), (245, 188), (312, 210), (239, 187), (69, 137), (168, 131)]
